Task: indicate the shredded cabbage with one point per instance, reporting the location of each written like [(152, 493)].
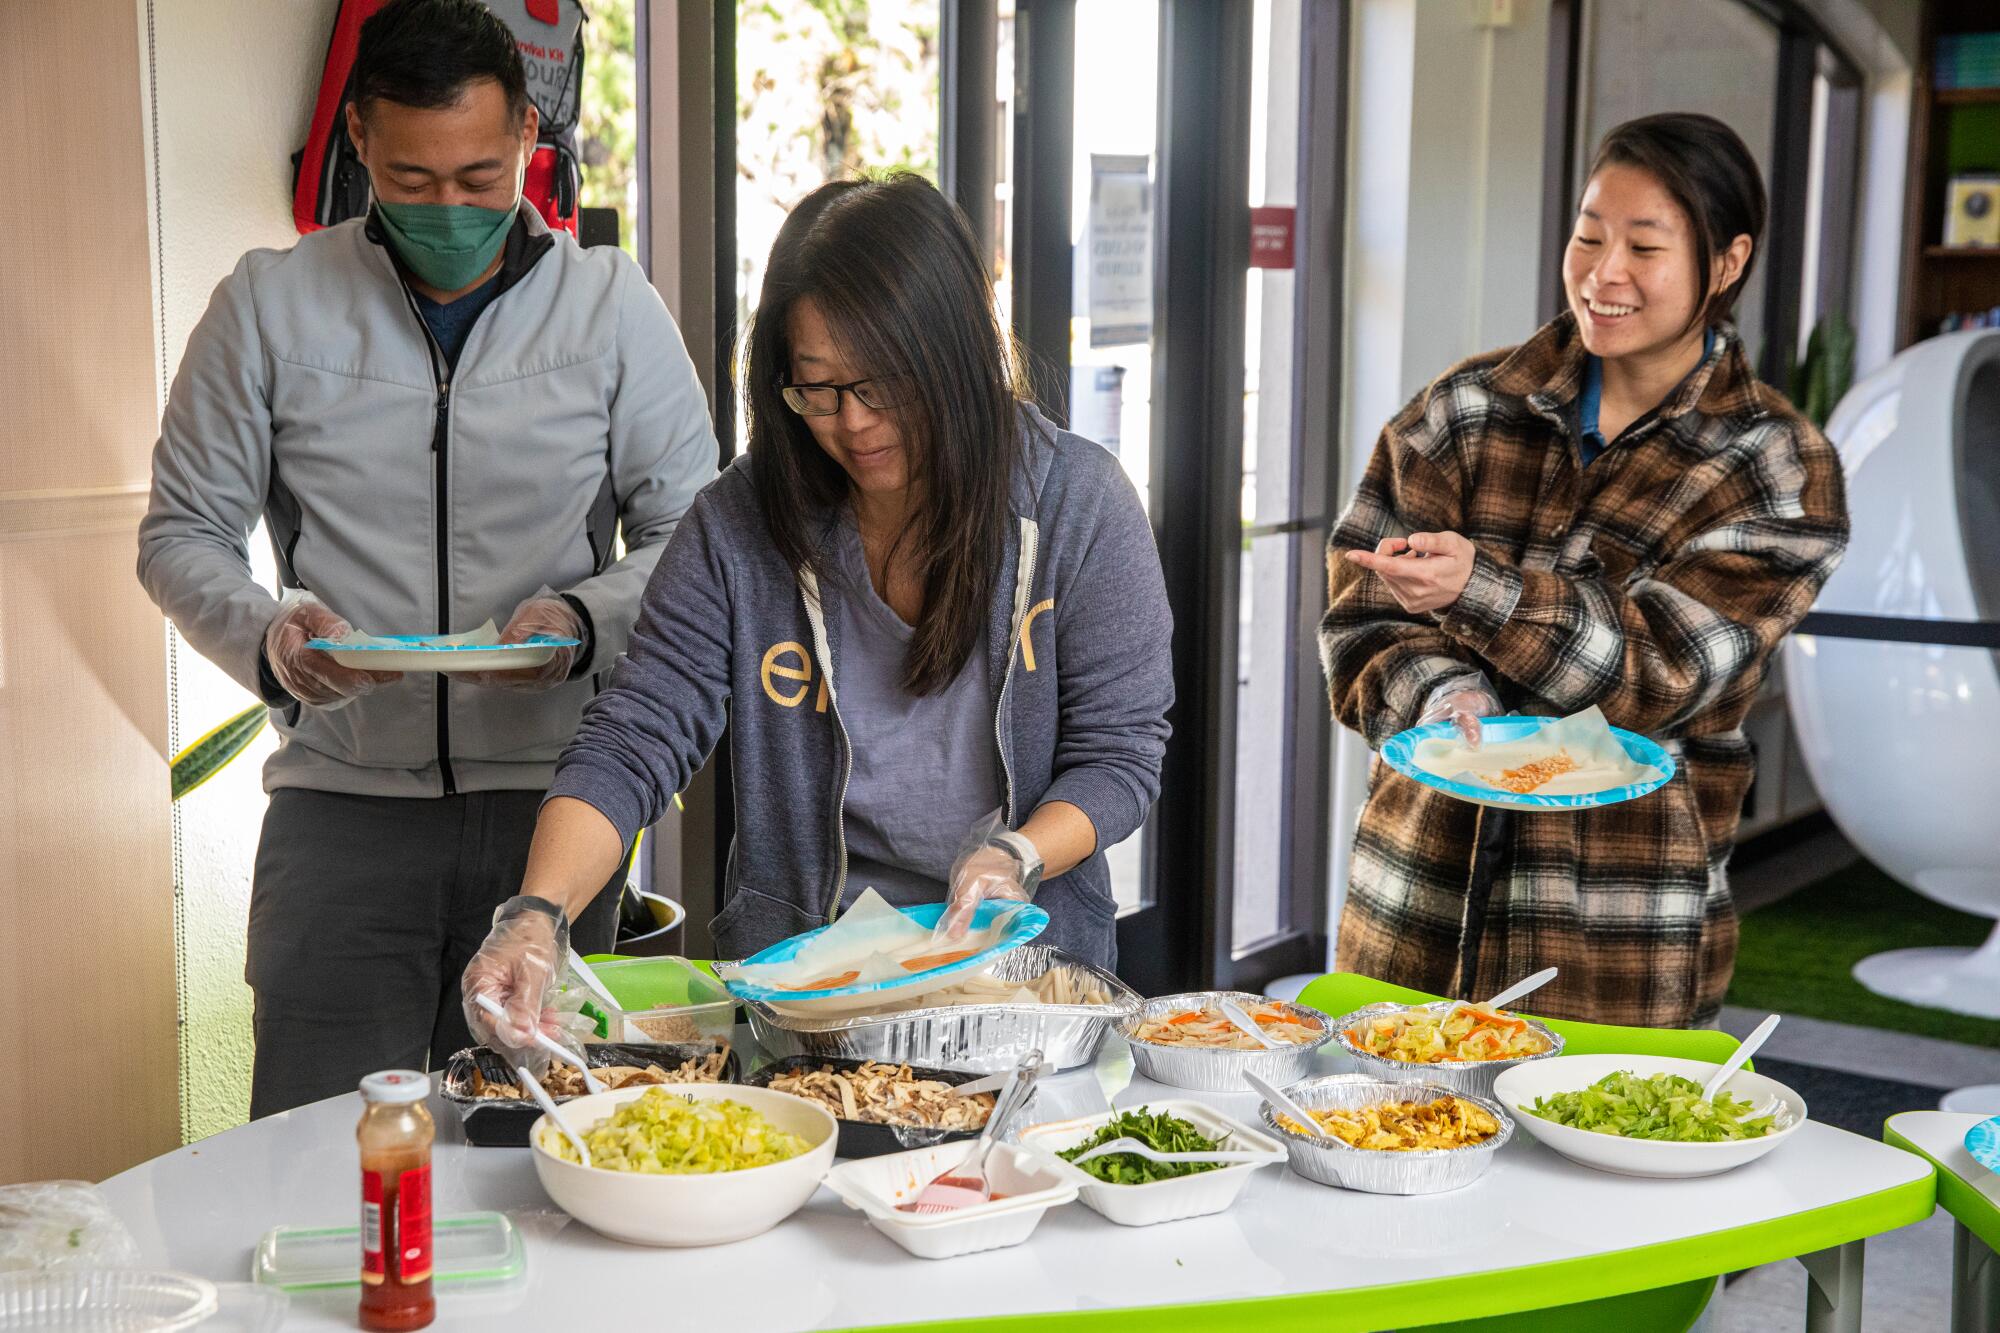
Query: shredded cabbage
[(662, 1133), (1664, 1106)]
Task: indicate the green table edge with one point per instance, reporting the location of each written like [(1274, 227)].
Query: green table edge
[(1955, 1194), (1508, 1290)]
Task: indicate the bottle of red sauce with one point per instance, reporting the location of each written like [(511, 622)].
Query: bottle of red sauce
[(395, 1135)]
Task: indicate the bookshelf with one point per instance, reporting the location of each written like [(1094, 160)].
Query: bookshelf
[(1952, 130)]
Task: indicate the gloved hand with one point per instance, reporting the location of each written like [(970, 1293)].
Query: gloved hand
[(1464, 700), (309, 674), (517, 966), (544, 613), (992, 862)]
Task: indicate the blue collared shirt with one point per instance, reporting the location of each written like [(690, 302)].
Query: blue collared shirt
[(1590, 441)]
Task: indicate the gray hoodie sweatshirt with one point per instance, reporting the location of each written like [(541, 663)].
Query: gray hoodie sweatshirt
[(1079, 631)]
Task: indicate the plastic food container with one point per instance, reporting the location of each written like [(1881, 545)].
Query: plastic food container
[(877, 1184), (983, 1038), (1520, 1088), (1194, 1195), (502, 1122), (695, 1209), (663, 1000), (473, 1252), (1371, 1170), (1215, 1069), (868, 1138), (105, 1298), (1475, 1077)]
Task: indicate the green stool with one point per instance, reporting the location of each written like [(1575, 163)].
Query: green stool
[(1669, 1309)]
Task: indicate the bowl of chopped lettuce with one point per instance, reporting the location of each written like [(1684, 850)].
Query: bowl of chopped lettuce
[(1637, 1115), (1134, 1191), (691, 1164)]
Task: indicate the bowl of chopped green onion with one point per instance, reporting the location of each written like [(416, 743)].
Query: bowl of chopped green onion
[(1638, 1115), (687, 1164), (1134, 1191)]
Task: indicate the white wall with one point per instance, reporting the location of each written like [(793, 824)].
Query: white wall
[(1444, 234), (234, 82)]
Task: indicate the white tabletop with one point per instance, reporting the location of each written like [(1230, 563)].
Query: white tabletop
[(1942, 1135), (201, 1209)]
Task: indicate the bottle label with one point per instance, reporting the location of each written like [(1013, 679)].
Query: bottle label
[(413, 1224), (372, 1222)]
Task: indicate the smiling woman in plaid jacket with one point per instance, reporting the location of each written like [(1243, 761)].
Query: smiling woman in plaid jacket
[(1614, 513)]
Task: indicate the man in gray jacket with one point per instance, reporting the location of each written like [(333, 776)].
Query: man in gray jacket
[(445, 414)]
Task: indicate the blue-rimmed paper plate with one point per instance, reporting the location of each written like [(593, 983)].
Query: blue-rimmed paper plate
[(1983, 1142), (1400, 754), (1025, 922), (418, 652)]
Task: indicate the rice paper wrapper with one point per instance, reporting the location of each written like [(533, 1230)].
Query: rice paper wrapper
[(873, 941), (484, 637), (1601, 762)]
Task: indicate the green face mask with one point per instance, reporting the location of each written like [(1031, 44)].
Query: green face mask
[(446, 245)]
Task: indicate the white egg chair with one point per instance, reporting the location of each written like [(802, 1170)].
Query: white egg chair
[(1903, 739)]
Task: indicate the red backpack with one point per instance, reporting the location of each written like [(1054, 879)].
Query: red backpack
[(329, 183)]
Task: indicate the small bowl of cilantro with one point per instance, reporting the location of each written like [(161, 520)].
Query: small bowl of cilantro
[(1134, 1191), (1645, 1116)]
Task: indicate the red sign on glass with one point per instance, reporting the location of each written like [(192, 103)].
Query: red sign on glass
[(1271, 237)]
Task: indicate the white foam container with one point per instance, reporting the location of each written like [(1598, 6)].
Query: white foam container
[(875, 1185), (1197, 1195)]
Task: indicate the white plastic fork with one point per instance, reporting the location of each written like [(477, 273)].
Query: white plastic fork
[(1243, 1022), (542, 1039), (1276, 1096), (1139, 1149)]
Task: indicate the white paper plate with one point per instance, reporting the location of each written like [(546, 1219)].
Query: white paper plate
[(416, 656)]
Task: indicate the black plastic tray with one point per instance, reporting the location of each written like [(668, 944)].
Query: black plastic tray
[(864, 1138), (504, 1123)]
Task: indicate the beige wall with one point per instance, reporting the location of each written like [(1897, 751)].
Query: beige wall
[(87, 948), (232, 83)]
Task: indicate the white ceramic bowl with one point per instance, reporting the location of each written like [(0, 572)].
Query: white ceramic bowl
[(687, 1209), (876, 1185), (1194, 1195), (1519, 1087)]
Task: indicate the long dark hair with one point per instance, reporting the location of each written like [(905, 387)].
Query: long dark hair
[(893, 269), (1708, 171)]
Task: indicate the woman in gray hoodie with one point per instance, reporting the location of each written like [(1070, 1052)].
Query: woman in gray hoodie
[(935, 624)]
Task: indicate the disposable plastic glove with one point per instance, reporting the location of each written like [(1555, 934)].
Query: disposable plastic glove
[(309, 674), (544, 613), (518, 966), (992, 862), (1463, 700)]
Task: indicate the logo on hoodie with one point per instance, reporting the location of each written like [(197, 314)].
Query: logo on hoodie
[(787, 673)]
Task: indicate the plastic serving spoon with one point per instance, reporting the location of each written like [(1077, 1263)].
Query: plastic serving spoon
[(1736, 1061), (547, 1043), (541, 1094), (1277, 1098), (1138, 1149), (1234, 1013), (1525, 986)]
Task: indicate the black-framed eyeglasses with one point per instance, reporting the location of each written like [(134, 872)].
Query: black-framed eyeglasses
[(880, 394)]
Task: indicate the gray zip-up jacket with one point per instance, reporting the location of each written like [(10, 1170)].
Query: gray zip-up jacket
[(1079, 630), (416, 499)]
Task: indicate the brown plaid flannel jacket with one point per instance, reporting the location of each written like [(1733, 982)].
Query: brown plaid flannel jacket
[(1655, 584)]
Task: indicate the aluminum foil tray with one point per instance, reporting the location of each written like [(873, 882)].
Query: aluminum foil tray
[(1215, 1069), (1373, 1171), (1474, 1077), (976, 1038)]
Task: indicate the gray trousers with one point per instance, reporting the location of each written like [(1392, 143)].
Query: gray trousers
[(364, 912)]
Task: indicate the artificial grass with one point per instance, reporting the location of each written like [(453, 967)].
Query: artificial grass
[(1797, 955)]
